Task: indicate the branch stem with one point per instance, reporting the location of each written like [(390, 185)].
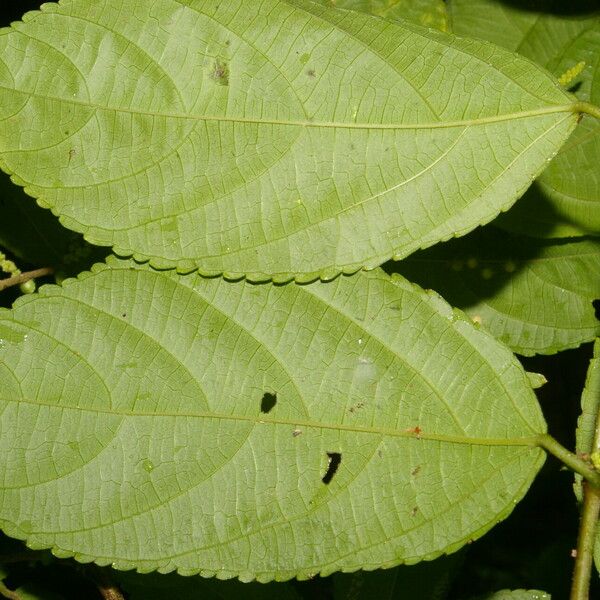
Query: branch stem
[(23, 277), (548, 443), (582, 573)]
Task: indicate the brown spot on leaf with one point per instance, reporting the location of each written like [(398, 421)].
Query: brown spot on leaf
[(220, 72)]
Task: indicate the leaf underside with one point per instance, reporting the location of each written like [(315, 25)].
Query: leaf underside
[(140, 437), (536, 296), (273, 141), (565, 200)]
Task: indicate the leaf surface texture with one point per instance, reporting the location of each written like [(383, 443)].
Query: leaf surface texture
[(276, 139), (565, 200), (140, 436), (534, 295), (427, 13)]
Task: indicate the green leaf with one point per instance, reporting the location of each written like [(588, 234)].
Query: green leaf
[(34, 235), (517, 595), (565, 200), (160, 421), (173, 587), (534, 295), (215, 135), (427, 13), (430, 579)]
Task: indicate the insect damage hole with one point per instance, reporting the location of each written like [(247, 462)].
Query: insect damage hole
[(268, 402), (335, 458)]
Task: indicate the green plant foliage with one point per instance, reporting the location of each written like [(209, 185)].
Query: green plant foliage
[(534, 295), (427, 13), (258, 431), (211, 135), (517, 595), (565, 199)]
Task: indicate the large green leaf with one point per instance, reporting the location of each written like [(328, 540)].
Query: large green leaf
[(565, 199), (536, 296), (278, 140), (162, 421), (427, 13)]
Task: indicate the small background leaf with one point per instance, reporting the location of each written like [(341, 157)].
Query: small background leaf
[(517, 595), (589, 420), (536, 296), (565, 200), (143, 441), (211, 135)]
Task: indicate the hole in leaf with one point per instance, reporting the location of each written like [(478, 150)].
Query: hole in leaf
[(596, 305), (268, 402), (335, 458)]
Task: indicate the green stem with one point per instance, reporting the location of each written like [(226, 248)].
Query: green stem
[(582, 573), (23, 277), (587, 108), (548, 443)]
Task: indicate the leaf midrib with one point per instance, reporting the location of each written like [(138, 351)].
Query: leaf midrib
[(296, 423), (547, 110)]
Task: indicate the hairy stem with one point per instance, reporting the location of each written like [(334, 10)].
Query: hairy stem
[(23, 277), (548, 443), (582, 573)]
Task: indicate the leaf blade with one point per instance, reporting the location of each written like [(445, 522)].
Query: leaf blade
[(211, 176), (153, 404), (535, 296)]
